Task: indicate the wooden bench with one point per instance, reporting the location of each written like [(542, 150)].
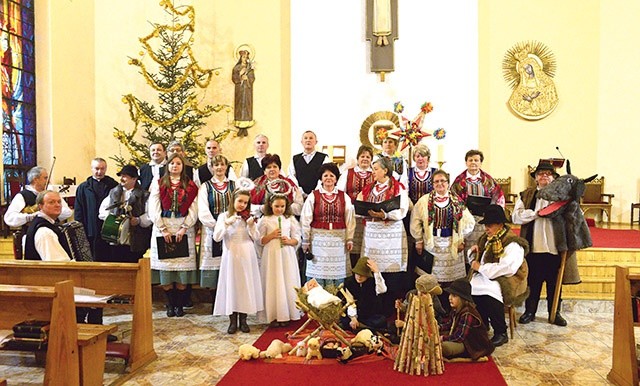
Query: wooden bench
[(132, 279), (74, 353)]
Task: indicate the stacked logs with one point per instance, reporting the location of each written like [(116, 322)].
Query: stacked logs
[(420, 351)]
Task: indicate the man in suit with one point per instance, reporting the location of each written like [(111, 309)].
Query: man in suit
[(151, 171)]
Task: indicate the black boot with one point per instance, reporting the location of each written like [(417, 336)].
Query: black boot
[(188, 303), (244, 327), (171, 299), (233, 323), (180, 301)]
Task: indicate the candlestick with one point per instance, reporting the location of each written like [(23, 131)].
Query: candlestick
[(280, 227)]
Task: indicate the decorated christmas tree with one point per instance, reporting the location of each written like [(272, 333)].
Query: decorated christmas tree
[(176, 76)]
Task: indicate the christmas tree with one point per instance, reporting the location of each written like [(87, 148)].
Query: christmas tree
[(178, 78)]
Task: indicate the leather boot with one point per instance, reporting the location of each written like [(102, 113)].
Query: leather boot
[(244, 327), (171, 299), (180, 301), (233, 323)]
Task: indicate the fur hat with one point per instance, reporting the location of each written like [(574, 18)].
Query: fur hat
[(361, 267), (428, 284), (494, 214), (544, 164), (462, 288)]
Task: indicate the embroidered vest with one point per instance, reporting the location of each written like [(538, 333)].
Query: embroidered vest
[(326, 214)]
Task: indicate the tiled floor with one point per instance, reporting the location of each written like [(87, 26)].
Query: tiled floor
[(195, 350)]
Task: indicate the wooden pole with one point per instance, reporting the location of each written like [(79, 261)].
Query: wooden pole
[(556, 294)]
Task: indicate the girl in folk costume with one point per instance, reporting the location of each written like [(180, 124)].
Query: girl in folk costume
[(280, 236), (463, 333), (352, 182), (476, 182), (239, 287), (174, 211), (439, 221), (214, 197), (385, 239), (328, 224), (272, 165)]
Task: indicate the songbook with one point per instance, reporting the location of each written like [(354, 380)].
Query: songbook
[(174, 249), (478, 204), (363, 207)]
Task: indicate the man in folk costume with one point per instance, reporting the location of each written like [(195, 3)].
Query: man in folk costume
[(385, 239), (543, 259), (129, 198), (499, 272), (303, 170), (206, 171), (389, 150), (439, 223), (252, 166), (44, 240), (23, 208)]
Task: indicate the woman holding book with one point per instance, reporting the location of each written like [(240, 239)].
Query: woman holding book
[(173, 208), (476, 182), (385, 239), (328, 223), (352, 182)]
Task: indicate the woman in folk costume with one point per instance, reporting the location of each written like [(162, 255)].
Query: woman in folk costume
[(398, 163), (328, 223), (439, 222), (239, 288), (214, 197), (499, 272), (352, 182), (476, 182), (272, 165), (385, 239), (173, 208), (420, 183), (280, 237)]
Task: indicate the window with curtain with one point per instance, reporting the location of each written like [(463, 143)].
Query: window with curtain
[(18, 92)]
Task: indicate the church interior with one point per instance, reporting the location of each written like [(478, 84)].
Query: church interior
[(315, 69)]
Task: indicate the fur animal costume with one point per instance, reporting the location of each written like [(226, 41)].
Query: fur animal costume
[(570, 229)]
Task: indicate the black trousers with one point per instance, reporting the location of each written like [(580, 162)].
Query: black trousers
[(543, 268), (492, 311)]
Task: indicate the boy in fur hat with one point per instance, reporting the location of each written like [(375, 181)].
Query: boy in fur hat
[(366, 312), (499, 273)]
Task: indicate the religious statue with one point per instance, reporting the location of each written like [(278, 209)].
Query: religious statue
[(243, 77), (529, 68), (382, 30)]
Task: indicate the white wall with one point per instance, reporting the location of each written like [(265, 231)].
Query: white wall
[(436, 60)]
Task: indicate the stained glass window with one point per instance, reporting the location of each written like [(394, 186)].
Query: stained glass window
[(18, 91)]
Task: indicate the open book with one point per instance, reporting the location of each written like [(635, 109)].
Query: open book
[(363, 207)]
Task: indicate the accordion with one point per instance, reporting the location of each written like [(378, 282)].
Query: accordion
[(77, 239)]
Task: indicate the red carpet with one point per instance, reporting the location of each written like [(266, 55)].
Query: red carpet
[(612, 238), (259, 372)]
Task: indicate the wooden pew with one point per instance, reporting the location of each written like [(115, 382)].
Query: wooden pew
[(73, 352), (106, 279)]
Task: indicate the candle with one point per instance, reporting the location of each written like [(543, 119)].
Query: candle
[(280, 227), (440, 152)]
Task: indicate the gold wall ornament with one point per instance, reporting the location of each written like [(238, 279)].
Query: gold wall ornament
[(376, 127), (528, 68)]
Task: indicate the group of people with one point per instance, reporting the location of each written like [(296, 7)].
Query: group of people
[(264, 233)]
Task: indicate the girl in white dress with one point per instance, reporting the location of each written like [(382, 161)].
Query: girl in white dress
[(239, 286), (280, 236)]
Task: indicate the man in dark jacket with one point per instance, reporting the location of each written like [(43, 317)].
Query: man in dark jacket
[(89, 195)]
